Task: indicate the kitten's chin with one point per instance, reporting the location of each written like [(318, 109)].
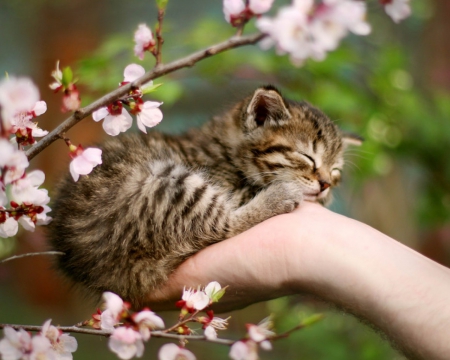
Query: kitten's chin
[(321, 197)]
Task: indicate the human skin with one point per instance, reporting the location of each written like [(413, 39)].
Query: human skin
[(340, 260)]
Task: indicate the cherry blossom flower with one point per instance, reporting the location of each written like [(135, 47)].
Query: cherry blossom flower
[(25, 129), (305, 30), (9, 228), (398, 10), (84, 160), (174, 352), (144, 40), (71, 99), (193, 300), (114, 305), (212, 289), (261, 333), (62, 344), (126, 343), (244, 350), (238, 13), (116, 118), (15, 344), (41, 349), (133, 72), (147, 320), (149, 115), (16, 95), (13, 162), (260, 6)]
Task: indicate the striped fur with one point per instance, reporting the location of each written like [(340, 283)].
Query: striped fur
[(157, 199)]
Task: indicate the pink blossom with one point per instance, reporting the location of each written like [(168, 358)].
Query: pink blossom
[(260, 6), (305, 30), (244, 350), (25, 190), (41, 349), (71, 99), (149, 115), (9, 228), (144, 40), (116, 119), (195, 299), (62, 344), (232, 9), (398, 10), (113, 307), (84, 161), (126, 343), (13, 162), (174, 352), (212, 289), (15, 344), (16, 95), (147, 320), (133, 72)]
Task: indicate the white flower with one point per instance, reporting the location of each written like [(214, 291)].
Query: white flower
[(195, 299), (212, 288), (126, 343), (398, 10), (147, 320), (14, 160), (9, 228), (174, 352), (25, 190), (41, 349), (150, 115), (113, 308), (244, 350), (15, 344), (16, 95), (62, 344), (84, 162), (143, 38), (210, 333), (232, 8), (261, 333), (306, 31), (117, 119), (133, 72), (260, 6)]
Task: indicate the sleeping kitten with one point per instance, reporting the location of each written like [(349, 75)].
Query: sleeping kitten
[(158, 199)]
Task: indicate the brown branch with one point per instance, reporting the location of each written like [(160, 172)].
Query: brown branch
[(159, 38), (32, 254), (157, 72), (159, 334)]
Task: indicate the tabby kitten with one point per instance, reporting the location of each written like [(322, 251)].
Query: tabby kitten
[(158, 199)]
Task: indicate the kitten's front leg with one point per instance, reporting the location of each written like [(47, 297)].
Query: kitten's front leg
[(278, 198)]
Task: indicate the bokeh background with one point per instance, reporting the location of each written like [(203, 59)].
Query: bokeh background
[(391, 87)]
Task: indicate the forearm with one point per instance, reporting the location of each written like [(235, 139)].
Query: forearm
[(373, 276)]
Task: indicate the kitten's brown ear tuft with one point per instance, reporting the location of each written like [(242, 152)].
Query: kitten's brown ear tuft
[(267, 106), (352, 139)]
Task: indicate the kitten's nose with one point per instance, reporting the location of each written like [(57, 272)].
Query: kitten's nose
[(324, 185)]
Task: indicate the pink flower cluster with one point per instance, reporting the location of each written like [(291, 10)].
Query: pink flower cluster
[(309, 30), (24, 202), (49, 344), (116, 118), (144, 41)]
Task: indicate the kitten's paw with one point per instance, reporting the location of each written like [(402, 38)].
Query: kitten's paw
[(283, 197)]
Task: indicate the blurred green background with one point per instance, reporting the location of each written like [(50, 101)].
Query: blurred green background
[(391, 87)]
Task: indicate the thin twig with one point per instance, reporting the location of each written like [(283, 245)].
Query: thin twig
[(160, 334), (32, 254), (157, 72), (159, 38)]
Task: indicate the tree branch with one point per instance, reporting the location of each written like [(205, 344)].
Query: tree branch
[(157, 72), (159, 334), (32, 254)]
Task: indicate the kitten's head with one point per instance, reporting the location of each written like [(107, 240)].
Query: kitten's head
[(290, 141)]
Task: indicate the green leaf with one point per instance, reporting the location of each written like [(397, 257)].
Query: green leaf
[(150, 88), (67, 77), (311, 320)]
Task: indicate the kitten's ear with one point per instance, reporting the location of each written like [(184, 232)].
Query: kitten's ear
[(352, 139), (267, 106)]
